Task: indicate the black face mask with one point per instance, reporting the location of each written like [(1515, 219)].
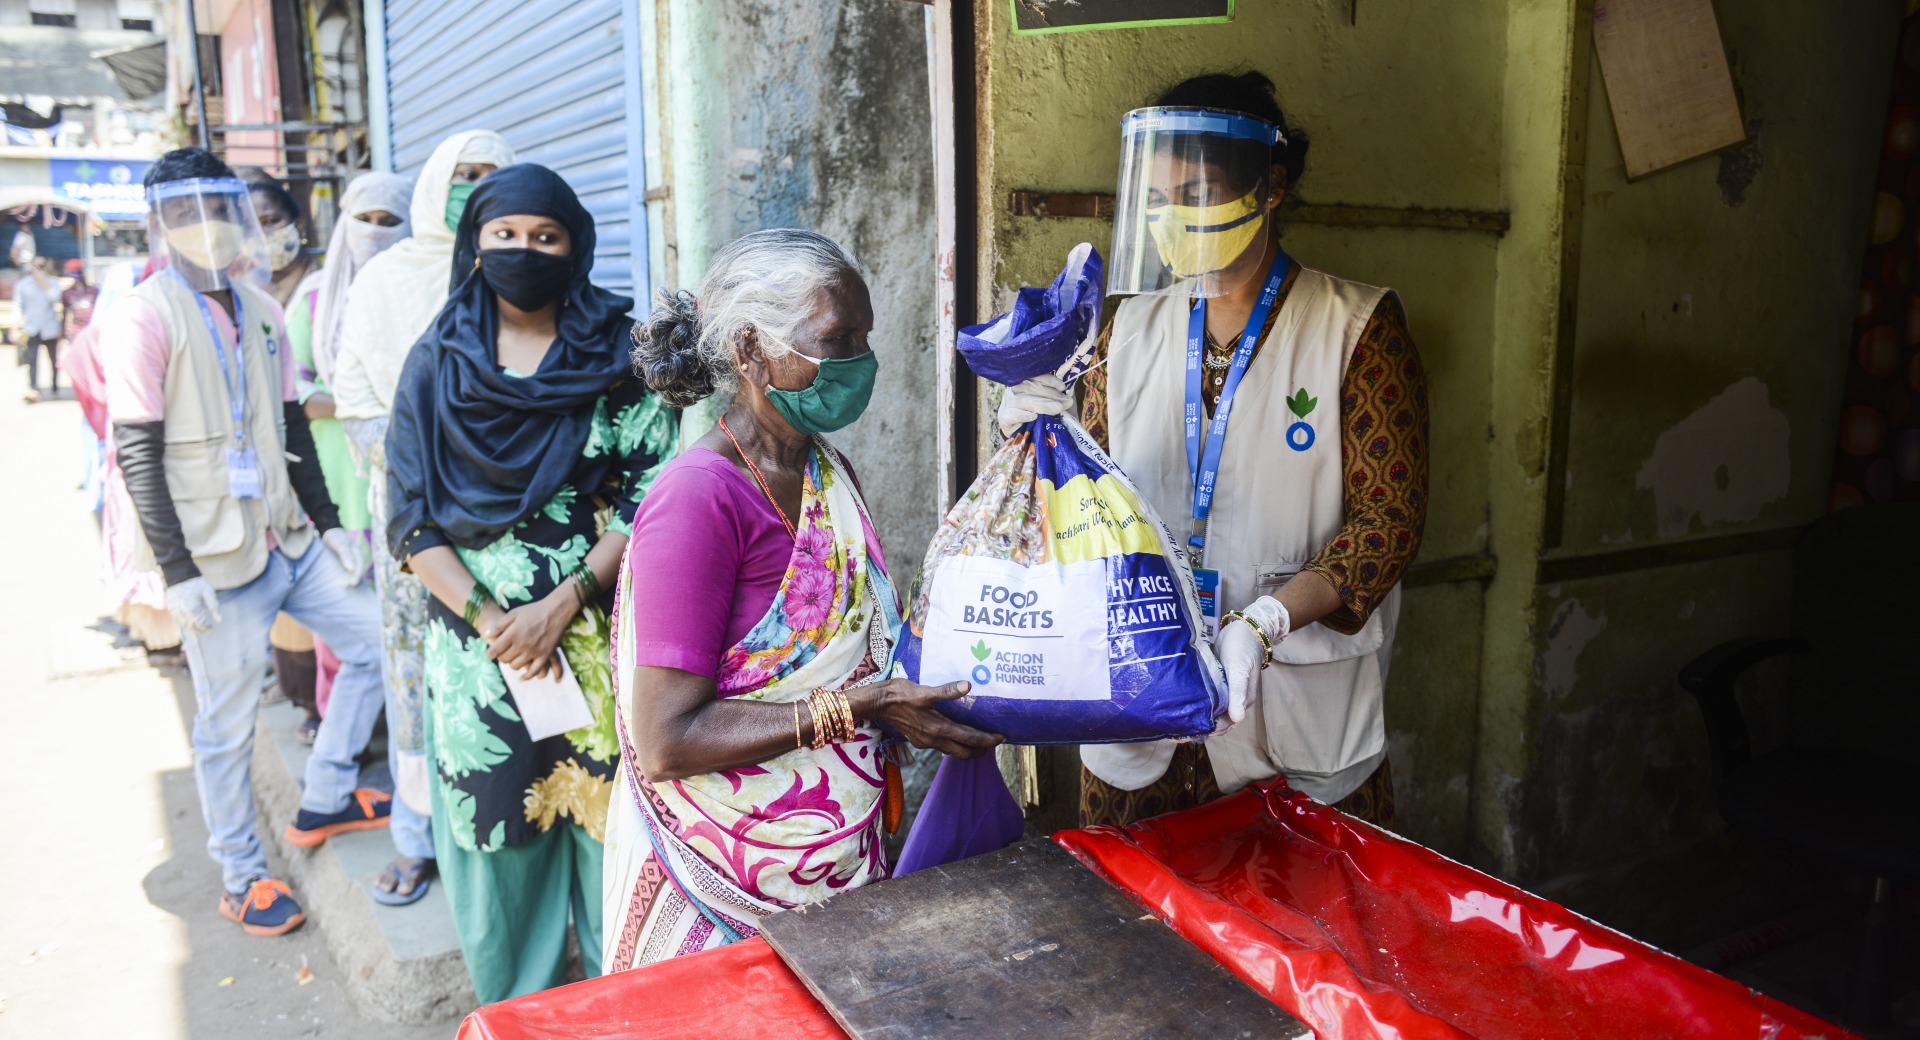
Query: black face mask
[(526, 278)]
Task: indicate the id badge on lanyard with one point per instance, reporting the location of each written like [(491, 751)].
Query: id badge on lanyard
[(243, 463), (1203, 458)]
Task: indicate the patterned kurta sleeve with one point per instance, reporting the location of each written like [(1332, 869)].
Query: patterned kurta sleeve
[(646, 435), (1383, 453), (1093, 391)]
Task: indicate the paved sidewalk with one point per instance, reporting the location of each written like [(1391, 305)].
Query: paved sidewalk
[(107, 919)]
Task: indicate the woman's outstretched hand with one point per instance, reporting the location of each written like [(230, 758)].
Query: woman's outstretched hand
[(908, 707)]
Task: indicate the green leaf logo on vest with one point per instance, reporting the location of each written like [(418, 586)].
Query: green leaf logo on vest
[(1300, 434)]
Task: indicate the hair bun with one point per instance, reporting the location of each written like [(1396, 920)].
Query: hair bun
[(666, 350)]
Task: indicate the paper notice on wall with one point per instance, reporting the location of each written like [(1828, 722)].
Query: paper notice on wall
[(1026, 633), (1667, 81)]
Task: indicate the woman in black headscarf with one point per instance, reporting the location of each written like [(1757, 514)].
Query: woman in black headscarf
[(519, 447)]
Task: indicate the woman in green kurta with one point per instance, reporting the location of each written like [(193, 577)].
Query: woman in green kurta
[(519, 448)]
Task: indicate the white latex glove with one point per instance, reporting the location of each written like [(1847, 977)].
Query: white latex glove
[(1044, 394), (1243, 657), (1242, 654), (194, 605), (350, 551)]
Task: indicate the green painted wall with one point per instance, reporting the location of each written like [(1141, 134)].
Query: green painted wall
[(1535, 730), (1715, 312)]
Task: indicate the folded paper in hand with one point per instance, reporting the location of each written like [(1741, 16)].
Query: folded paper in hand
[(549, 705)]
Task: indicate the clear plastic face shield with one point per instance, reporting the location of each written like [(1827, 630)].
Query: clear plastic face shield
[(208, 232), (1190, 217)]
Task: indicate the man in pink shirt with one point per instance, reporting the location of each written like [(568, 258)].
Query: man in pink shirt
[(221, 468)]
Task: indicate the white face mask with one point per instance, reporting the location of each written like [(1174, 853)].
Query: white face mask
[(211, 246), (365, 239), (283, 246)]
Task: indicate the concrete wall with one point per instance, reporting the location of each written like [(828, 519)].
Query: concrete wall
[(1715, 311), (1535, 727), (815, 114)]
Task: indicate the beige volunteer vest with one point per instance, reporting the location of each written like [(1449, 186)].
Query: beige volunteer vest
[(227, 535), (1279, 499)]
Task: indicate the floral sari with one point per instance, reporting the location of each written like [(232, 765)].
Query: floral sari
[(693, 864)]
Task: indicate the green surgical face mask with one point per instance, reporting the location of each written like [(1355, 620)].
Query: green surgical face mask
[(838, 395), (457, 202)]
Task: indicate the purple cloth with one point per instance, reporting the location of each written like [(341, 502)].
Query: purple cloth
[(708, 553), (968, 812)]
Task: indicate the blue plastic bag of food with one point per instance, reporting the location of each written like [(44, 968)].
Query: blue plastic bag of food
[(1051, 586)]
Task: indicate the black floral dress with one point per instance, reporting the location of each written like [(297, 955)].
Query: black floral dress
[(498, 786)]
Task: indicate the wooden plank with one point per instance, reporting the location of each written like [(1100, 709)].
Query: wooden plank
[(1667, 81), (1099, 206), (1020, 943)]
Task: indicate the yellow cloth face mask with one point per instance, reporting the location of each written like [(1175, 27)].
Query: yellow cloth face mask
[(1197, 240)]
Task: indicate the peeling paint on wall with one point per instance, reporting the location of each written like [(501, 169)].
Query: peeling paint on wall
[(1721, 465), (1571, 629)]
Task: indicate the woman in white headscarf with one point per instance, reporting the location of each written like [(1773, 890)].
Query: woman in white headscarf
[(390, 302)]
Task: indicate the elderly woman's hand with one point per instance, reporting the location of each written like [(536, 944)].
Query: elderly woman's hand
[(908, 707)]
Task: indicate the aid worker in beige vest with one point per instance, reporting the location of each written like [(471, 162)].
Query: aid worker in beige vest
[(235, 515), (1302, 512)]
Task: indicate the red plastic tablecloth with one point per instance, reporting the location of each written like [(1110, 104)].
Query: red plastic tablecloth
[(743, 990), (1362, 934), (1358, 933)]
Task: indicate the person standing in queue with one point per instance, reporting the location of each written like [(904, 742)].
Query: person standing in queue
[(235, 514), (520, 446), (1305, 511), (363, 338), (757, 619)]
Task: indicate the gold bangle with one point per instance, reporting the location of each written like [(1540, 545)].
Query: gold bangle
[(798, 742), (1265, 643), (819, 724), (842, 730), (846, 709)]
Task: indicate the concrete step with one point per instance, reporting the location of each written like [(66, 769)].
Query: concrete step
[(403, 963)]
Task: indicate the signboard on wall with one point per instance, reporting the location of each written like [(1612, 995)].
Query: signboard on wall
[(111, 188), (1050, 16)]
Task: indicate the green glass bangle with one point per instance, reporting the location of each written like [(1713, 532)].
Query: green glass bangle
[(586, 584), (476, 603)]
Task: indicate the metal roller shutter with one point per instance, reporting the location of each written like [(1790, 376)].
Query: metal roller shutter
[(559, 80)]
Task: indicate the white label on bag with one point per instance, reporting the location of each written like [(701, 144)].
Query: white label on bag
[(1027, 633)]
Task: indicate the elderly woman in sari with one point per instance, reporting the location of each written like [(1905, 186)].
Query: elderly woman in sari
[(757, 619)]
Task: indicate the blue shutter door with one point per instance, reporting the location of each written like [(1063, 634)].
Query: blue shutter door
[(560, 81)]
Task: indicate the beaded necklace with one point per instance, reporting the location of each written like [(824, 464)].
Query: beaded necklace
[(759, 478)]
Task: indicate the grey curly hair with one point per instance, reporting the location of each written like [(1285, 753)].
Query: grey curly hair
[(763, 281)]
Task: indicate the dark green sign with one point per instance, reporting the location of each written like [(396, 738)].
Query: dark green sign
[(1050, 16)]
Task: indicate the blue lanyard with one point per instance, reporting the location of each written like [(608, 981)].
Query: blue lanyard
[(1204, 463), (236, 395)]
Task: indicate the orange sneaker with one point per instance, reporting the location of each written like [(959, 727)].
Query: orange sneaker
[(266, 908), (368, 809)]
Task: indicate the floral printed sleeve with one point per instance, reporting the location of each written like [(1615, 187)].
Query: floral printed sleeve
[(644, 434), (1093, 391), (1383, 457)]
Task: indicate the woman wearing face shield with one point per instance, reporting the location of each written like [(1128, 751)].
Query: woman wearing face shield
[(520, 445), (1301, 514), (366, 328), (757, 619)]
